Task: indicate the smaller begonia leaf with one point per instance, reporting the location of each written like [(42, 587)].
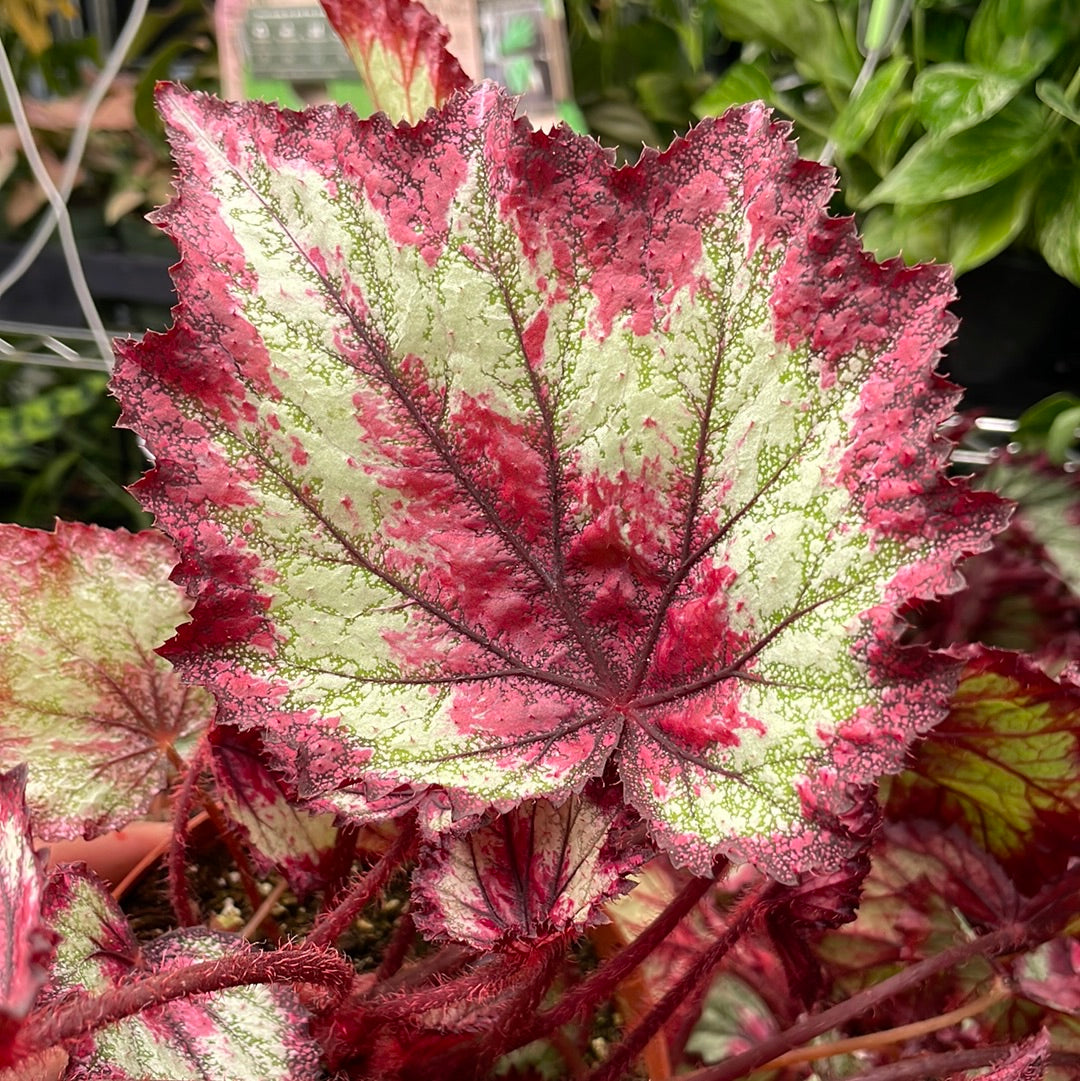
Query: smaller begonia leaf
[(25, 944), (927, 887), (1004, 765), (300, 843), (247, 1033), (1050, 975), (537, 870), (399, 48), (84, 699)]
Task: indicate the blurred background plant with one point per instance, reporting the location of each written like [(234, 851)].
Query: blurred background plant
[(60, 454), (954, 123)]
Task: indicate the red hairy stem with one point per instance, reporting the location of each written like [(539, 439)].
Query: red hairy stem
[(56, 1023), (947, 1063), (444, 965), (542, 964), (1004, 940), (333, 922), (343, 858), (485, 981), (398, 948), (745, 912), (179, 895), (600, 986), (347, 1031)]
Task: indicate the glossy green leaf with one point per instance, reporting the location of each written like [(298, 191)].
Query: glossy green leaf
[(986, 223), (740, 83), (970, 161), (859, 118), (951, 97), (1018, 38), (1057, 222), (965, 232), (1051, 93), (811, 32)]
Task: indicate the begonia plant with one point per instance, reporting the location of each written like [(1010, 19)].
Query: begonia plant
[(530, 608)]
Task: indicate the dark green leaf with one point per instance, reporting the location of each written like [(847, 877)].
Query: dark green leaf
[(624, 124), (1036, 421), (986, 223), (858, 119), (1063, 435), (663, 97), (970, 161), (918, 233), (27, 423), (951, 97)]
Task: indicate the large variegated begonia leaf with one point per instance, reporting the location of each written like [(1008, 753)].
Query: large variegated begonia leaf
[(495, 469), (533, 871), (25, 944), (254, 1031), (84, 699)]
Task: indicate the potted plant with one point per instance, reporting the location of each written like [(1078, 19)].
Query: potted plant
[(542, 546)]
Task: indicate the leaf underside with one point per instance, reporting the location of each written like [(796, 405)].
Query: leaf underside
[(84, 699), (1004, 765), (496, 469), (300, 844), (536, 870)]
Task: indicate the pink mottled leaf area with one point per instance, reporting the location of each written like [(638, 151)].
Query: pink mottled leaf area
[(102, 721), (299, 843), (245, 1033), (25, 942)]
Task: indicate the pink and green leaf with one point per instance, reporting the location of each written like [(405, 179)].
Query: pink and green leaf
[(84, 699), (283, 835), (1005, 766), (25, 944), (538, 870), (399, 48), (496, 469), (253, 1031)]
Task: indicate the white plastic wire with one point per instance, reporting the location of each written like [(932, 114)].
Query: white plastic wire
[(56, 215)]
